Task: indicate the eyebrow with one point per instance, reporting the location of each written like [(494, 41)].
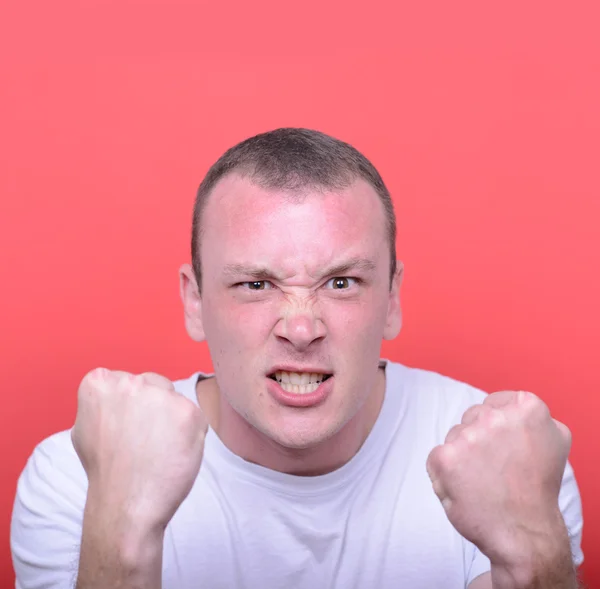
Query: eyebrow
[(262, 273)]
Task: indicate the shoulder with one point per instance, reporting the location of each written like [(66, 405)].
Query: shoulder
[(434, 395), (435, 402), (53, 481), (47, 514), (53, 463), (187, 386), (422, 406)]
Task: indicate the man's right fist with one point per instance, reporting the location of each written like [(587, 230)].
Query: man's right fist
[(140, 444)]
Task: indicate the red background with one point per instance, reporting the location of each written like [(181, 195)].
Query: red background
[(483, 118)]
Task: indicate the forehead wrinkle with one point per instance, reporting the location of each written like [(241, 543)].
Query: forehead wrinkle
[(261, 272)]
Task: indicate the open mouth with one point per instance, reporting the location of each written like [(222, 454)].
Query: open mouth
[(299, 383)]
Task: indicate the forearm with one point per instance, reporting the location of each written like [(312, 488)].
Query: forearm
[(547, 565), (558, 575), (117, 554)]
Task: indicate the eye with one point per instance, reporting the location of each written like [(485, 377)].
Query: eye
[(342, 283), (257, 285)]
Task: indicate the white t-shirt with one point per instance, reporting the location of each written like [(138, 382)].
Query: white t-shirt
[(375, 522)]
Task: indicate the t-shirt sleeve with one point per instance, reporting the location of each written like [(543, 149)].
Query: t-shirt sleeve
[(570, 506), (47, 516)]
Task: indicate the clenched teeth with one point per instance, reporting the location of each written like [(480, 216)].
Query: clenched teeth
[(299, 383)]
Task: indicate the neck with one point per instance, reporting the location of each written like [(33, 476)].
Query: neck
[(254, 446)]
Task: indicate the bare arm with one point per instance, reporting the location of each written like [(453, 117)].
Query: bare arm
[(118, 553), (498, 476), (485, 582), (141, 446), (547, 566)]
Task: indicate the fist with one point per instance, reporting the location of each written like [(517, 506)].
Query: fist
[(499, 472), (140, 444)]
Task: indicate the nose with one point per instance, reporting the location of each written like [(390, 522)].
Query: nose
[(301, 327)]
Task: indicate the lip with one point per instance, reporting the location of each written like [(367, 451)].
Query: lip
[(291, 368), (297, 400)]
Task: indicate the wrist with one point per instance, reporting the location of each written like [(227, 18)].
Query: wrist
[(116, 552), (125, 510), (534, 557), (133, 538)]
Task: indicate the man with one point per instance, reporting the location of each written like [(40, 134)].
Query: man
[(306, 461)]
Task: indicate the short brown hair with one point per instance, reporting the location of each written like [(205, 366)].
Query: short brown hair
[(293, 160)]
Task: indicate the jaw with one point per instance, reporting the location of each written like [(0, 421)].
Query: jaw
[(299, 440)]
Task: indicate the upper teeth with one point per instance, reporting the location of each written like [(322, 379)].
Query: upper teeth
[(299, 378)]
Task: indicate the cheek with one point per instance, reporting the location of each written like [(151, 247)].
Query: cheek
[(236, 324), (253, 322), (354, 318), (240, 325)]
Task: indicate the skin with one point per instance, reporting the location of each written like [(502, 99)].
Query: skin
[(296, 316), (141, 446), (497, 474)]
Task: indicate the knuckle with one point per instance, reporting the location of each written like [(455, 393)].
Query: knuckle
[(133, 383), (463, 433), (470, 414), (494, 419), (469, 434), (564, 431), (438, 488), (187, 413), (534, 407), (477, 413), (529, 400), (157, 380), (446, 457), (485, 410), (452, 434), (432, 462), (93, 376), (92, 382)]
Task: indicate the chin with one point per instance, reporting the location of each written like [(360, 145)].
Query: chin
[(300, 443), (303, 438)]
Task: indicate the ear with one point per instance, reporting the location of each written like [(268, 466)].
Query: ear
[(393, 322), (192, 303)]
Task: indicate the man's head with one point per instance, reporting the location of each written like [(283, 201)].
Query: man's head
[(294, 161), (293, 241)]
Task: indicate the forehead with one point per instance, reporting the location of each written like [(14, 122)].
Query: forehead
[(244, 223)]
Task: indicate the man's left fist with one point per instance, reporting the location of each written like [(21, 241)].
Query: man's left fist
[(498, 474)]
